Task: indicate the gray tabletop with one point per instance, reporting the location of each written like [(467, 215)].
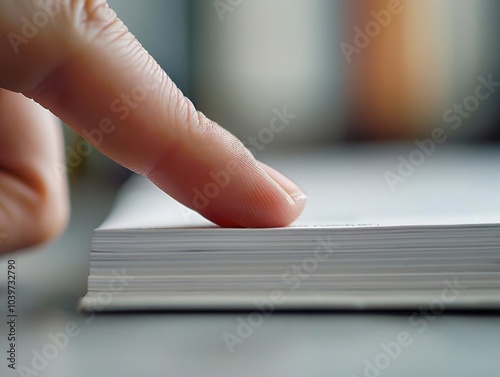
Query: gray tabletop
[(53, 340)]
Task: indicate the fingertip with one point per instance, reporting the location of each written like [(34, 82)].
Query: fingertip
[(295, 192), (289, 204), (275, 200)]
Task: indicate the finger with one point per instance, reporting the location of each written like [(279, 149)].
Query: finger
[(33, 198), (93, 74)]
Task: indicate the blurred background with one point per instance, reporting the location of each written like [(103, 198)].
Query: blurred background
[(349, 71), (352, 72)]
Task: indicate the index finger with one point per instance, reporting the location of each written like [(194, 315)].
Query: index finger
[(83, 64)]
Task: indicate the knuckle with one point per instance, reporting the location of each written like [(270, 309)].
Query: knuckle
[(91, 20), (46, 32)]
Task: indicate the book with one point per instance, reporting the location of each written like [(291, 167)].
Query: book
[(379, 232)]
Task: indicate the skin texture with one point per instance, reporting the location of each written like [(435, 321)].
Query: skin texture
[(84, 66)]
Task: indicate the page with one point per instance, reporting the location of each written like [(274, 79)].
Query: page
[(453, 186)]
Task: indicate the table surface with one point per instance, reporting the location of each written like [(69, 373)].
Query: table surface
[(53, 340)]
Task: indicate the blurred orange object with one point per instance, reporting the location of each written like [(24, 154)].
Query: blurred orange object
[(398, 67)]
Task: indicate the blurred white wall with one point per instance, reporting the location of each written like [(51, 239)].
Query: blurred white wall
[(162, 28), (254, 56)]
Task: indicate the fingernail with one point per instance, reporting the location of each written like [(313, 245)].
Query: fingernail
[(294, 191), (299, 197)]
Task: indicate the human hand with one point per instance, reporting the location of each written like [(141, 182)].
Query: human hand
[(77, 59)]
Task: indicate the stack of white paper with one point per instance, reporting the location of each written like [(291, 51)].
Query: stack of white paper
[(362, 243)]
